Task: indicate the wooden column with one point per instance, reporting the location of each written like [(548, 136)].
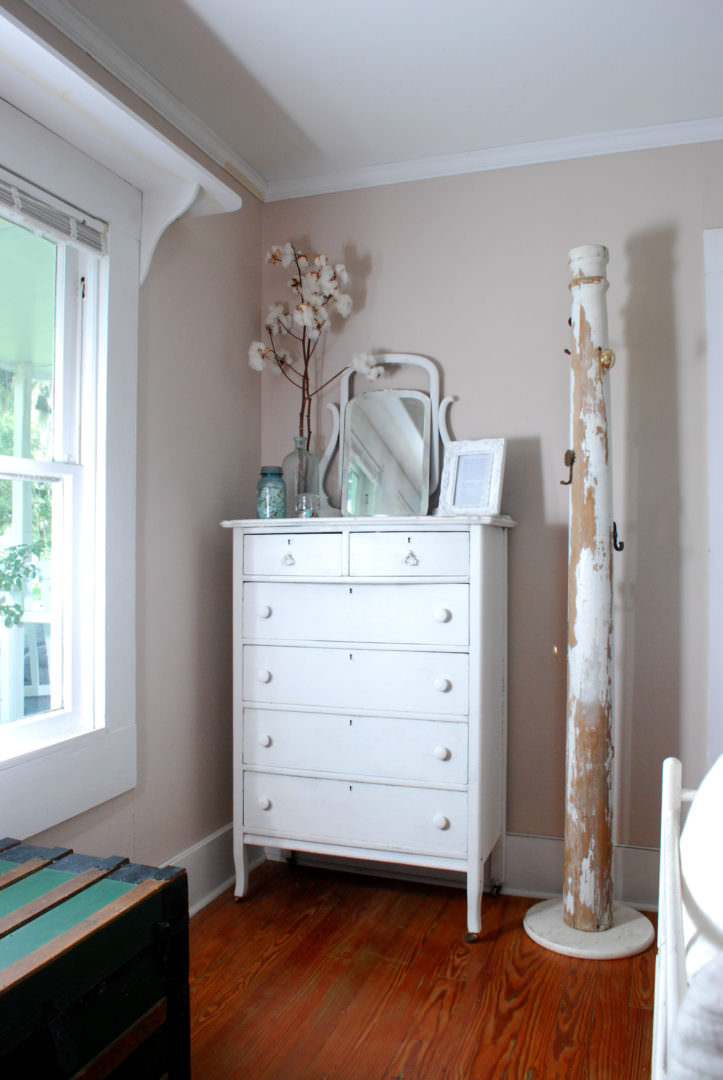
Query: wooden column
[(587, 890), (585, 921)]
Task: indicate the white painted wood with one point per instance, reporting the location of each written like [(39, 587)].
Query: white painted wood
[(354, 812), (293, 554), (106, 756), (389, 747), (395, 360), (429, 615), (587, 887), (370, 711), (70, 95), (713, 251), (408, 554), (425, 682)]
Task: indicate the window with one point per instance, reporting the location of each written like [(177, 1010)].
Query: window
[(68, 357), (50, 535)]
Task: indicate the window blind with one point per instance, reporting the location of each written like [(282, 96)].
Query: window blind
[(25, 205)]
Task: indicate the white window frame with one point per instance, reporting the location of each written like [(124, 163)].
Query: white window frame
[(46, 786)]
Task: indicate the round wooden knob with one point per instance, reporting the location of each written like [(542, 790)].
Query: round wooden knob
[(442, 752), (264, 675), (264, 740), (440, 821), (442, 684), (264, 611), (442, 614), (264, 803)]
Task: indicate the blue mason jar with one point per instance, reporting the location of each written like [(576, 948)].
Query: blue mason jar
[(271, 493)]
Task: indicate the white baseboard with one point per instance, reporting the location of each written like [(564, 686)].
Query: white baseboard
[(534, 868), (209, 865)]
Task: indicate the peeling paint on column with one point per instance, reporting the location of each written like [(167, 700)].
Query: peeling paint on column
[(587, 884)]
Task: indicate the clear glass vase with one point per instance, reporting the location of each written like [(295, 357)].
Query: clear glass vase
[(301, 476)]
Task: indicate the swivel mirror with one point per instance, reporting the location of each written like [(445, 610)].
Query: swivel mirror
[(386, 453)]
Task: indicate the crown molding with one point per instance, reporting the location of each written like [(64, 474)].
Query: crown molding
[(501, 157), (84, 34)]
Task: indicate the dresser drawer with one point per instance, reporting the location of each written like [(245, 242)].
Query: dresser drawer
[(293, 554), (375, 680), (409, 554), (414, 614), (382, 816), (394, 748)]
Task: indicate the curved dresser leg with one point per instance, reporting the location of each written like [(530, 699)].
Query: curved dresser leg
[(474, 903), (241, 863)]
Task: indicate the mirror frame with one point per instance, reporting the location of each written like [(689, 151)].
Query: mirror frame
[(413, 360)]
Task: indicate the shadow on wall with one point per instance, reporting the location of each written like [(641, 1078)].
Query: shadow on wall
[(537, 622), (647, 591)]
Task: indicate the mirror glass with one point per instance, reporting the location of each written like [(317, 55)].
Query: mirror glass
[(385, 464)]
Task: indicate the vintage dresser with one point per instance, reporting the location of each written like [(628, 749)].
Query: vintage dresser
[(93, 967), (370, 691)]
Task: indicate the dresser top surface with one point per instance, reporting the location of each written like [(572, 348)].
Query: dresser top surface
[(435, 523)]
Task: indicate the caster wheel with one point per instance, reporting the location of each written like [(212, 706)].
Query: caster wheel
[(471, 938)]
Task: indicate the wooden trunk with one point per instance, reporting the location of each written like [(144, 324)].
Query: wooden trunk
[(93, 967), (587, 890)]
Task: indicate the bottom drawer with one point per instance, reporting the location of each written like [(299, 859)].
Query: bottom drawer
[(387, 817)]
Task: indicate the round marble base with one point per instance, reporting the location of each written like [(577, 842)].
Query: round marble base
[(630, 933)]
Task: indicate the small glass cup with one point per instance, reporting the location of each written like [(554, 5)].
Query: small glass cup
[(307, 505)]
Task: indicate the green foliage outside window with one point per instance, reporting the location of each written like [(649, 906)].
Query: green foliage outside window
[(17, 566)]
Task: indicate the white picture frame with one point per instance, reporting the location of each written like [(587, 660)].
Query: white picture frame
[(472, 477)]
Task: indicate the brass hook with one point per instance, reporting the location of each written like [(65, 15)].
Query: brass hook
[(569, 462)]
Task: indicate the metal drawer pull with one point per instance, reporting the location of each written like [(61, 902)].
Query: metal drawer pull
[(440, 822), (263, 675), (442, 684), (288, 559), (442, 614), (264, 803), (443, 753), (264, 740), (411, 559), (264, 611)]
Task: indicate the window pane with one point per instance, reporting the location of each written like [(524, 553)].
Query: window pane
[(31, 598), (28, 265)]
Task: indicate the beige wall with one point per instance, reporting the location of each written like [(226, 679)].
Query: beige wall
[(198, 459), (472, 271)]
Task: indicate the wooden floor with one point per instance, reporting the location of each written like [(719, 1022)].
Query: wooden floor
[(319, 975)]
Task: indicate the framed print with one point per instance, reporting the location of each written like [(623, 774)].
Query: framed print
[(472, 477)]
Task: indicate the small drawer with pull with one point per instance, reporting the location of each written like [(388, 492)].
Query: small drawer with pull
[(293, 554), (409, 554)]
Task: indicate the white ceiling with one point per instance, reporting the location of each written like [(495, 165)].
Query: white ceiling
[(327, 94)]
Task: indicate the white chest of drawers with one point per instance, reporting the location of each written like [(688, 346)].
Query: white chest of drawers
[(370, 691)]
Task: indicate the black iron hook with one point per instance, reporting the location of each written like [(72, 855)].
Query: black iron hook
[(618, 545), (569, 462)]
